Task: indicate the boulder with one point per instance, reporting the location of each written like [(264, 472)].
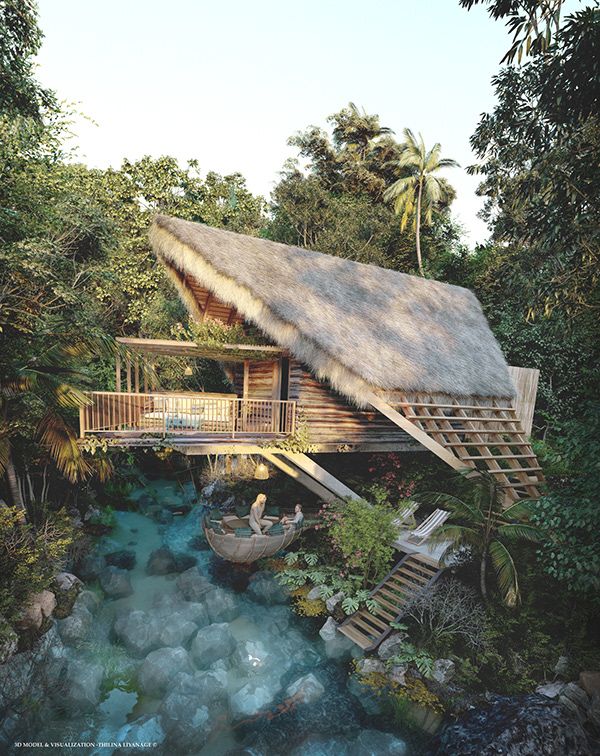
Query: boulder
[(193, 585), (159, 514), (176, 630), (561, 668), (65, 581), (250, 657), (443, 670), (550, 690), (82, 686), (370, 666), (136, 632), (305, 689), (211, 643), (332, 602), (315, 593), (160, 667), (168, 604), (144, 730), (186, 721), (391, 646), (74, 628), (329, 630), (521, 725), (252, 698), (590, 682), (184, 562), (9, 641), (376, 743), (90, 567), (320, 745), (88, 600), (265, 588), (221, 606), (593, 712), (208, 686), (576, 694), (124, 558), (397, 674), (39, 607), (115, 582), (161, 562), (365, 695)]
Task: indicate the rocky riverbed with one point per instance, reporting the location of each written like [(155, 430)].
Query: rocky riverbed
[(167, 645)]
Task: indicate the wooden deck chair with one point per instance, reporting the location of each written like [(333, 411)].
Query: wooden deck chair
[(429, 524), (406, 515)]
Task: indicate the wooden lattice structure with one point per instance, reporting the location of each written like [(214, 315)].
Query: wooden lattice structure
[(482, 434)]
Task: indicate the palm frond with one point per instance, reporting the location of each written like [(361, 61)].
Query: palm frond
[(432, 158), (520, 510), (519, 532), (61, 441), (447, 163), (506, 573), (458, 507), (4, 452)]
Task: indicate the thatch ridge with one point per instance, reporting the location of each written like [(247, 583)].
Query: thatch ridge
[(359, 326)]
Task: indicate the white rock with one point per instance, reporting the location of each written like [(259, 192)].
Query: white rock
[(333, 601), (443, 670), (370, 665), (329, 630), (551, 690)]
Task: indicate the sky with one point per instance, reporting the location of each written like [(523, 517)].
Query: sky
[(227, 83)]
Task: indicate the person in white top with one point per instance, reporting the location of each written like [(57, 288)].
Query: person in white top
[(257, 522), (296, 520)]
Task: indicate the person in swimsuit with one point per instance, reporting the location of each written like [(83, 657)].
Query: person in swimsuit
[(258, 523)]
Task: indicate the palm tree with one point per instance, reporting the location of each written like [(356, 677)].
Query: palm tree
[(488, 530), (48, 381), (418, 191)]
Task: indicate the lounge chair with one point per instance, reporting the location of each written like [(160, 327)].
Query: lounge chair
[(406, 515), (429, 524)]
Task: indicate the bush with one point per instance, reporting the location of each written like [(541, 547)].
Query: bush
[(30, 555), (362, 534)]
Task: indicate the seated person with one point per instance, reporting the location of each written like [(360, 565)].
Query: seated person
[(256, 521), (296, 520)]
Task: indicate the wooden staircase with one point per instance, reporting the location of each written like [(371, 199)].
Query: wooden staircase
[(411, 576)]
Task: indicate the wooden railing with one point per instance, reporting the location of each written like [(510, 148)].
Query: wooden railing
[(171, 413)]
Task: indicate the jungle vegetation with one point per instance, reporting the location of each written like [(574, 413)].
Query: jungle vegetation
[(74, 260)]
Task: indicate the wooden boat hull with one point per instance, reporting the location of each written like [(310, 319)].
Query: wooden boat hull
[(246, 550)]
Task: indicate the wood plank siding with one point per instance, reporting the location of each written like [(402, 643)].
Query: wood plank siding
[(332, 419)]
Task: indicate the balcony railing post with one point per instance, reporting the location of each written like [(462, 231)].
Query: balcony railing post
[(233, 408), (164, 410)]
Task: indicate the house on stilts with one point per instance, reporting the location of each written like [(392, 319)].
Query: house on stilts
[(370, 359)]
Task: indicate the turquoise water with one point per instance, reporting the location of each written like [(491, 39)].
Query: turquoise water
[(208, 661)]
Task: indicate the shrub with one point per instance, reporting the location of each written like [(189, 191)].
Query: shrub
[(362, 534), (449, 611), (30, 555)]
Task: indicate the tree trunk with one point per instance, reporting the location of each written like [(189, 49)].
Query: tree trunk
[(482, 571), (14, 488), (418, 228)]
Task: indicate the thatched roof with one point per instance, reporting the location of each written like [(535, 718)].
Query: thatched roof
[(357, 325)]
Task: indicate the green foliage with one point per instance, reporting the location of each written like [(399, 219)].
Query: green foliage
[(361, 534), (337, 205), (568, 515), (480, 523), (410, 654), (30, 555)]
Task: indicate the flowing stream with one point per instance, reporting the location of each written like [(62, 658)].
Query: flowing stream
[(209, 659)]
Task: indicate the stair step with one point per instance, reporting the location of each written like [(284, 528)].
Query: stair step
[(356, 636), (385, 602), (412, 574), (382, 613), (370, 630), (392, 597), (422, 565), (416, 586), (370, 617)]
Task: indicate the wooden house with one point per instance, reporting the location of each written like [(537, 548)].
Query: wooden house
[(362, 358)]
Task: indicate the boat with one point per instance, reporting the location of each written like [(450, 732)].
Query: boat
[(231, 538)]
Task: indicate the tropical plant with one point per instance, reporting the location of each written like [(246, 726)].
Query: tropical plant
[(480, 523), (361, 533), (418, 191)]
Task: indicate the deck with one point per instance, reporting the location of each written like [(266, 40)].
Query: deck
[(137, 419)]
